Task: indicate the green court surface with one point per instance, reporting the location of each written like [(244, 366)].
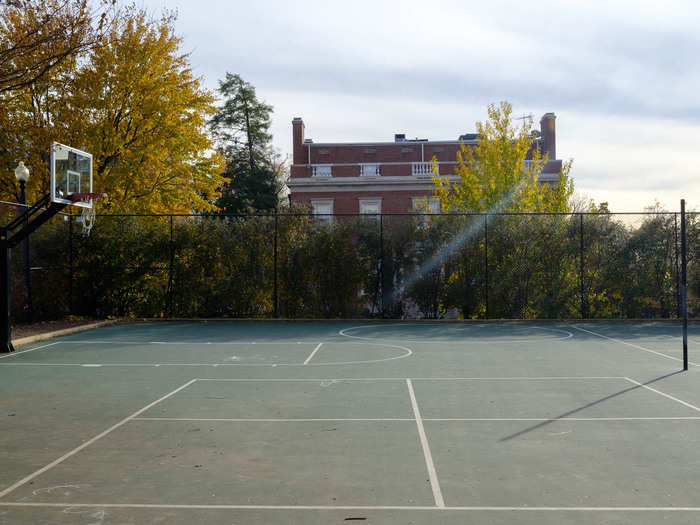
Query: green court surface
[(341, 422)]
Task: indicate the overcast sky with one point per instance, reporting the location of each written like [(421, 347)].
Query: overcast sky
[(623, 77)]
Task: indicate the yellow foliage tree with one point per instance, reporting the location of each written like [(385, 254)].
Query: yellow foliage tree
[(36, 36), (501, 173), (144, 116), (135, 104)]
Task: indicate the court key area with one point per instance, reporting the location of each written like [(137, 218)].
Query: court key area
[(339, 422)]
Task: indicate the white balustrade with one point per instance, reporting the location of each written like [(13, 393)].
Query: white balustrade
[(421, 169), (369, 170), (322, 170)]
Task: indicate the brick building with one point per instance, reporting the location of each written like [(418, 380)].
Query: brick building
[(384, 177)]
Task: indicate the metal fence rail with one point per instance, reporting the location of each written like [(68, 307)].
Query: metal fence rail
[(295, 265)]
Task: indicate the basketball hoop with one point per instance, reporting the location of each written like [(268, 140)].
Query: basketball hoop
[(87, 213)]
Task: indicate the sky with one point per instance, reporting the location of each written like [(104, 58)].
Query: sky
[(622, 77)]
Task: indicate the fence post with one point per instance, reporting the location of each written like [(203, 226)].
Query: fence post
[(275, 299), (684, 282), (170, 270), (28, 278), (486, 265), (380, 287), (677, 267), (583, 293), (70, 263)]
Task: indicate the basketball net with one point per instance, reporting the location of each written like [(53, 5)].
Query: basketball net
[(88, 214)]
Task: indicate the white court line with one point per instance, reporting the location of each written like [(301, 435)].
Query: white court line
[(406, 353), (632, 345), (100, 342), (90, 441), (272, 420), (684, 403), (680, 418), (446, 419), (348, 507), (12, 354), (312, 354), (432, 473), (513, 378)]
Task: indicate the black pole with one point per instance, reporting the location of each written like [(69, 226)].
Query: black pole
[(583, 294), (170, 270), (5, 313), (381, 266), (70, 263), (679, 314), (27, 271), (486, 266), (684, 291), (275, 299)]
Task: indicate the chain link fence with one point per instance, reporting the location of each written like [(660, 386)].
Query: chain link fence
[(402, 266)]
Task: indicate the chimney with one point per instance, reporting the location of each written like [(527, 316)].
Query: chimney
[(549, 135), (299, 155)]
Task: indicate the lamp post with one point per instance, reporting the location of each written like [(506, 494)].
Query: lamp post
[(22, 175)]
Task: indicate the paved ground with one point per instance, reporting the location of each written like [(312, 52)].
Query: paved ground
[(263, 422)]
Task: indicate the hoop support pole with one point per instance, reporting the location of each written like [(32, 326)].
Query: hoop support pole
[(11, 236), (5, 311)]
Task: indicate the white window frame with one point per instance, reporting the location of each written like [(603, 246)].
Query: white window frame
[(433, 203), (327, 206), (373, 202)]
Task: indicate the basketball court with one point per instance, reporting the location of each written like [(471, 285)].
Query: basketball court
[(334, 422)]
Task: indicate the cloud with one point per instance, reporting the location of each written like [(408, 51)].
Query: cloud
[(622, 76)]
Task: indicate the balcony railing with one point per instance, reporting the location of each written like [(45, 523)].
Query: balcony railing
[(322, 170), (421, 169), (370, 170)]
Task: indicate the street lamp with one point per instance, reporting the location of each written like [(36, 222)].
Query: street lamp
[(22, 175)]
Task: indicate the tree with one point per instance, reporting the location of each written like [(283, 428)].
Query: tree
[(36, 36), (241, 127), (145, 116), (134, 103), (501, 172)]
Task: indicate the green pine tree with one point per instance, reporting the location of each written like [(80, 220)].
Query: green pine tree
[(242, 129)]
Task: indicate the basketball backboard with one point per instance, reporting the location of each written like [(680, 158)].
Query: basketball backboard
[(71, 172)]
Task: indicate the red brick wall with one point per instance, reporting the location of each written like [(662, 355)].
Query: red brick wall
[(298, 149), (347, 202)]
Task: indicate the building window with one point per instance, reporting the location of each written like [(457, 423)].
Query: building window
[(369, 170), (420, 203), (323, 210), (322, 170), (371, 206), (427, 205)]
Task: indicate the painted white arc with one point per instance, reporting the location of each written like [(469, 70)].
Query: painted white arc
[(432, 473)]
